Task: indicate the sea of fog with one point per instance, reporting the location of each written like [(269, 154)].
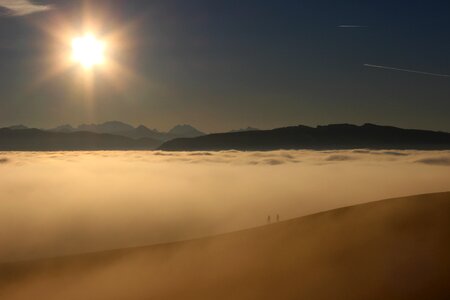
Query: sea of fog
[(59, 203)]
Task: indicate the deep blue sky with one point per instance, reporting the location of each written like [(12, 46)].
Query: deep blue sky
[(220, 65)]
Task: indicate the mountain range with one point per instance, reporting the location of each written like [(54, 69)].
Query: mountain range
[(120, 136), (41, 140), (329, 137), (123, 129)]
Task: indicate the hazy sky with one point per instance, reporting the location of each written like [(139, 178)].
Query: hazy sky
[(220, 65)]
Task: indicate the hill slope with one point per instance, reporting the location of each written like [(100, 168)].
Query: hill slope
[(331, 137), (392, 249)]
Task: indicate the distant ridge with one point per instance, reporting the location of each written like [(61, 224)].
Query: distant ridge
[(63, 128), (123, 129), (40, 140), (18, 127), (185, 131), (329, 137), (245, 129), (112, 127), (110, 136)]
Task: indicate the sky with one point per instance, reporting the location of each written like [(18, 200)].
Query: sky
[(222, 65)]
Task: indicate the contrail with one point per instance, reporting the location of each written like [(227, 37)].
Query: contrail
[(352, 26), (406, 70)]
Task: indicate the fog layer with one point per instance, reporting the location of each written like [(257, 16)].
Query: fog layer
[(58, 203)]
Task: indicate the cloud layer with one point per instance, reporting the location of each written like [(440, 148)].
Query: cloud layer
[(23, 7), (435, 161), (56, 203)]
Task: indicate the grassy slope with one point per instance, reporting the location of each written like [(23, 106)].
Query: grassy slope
[(392, 249)]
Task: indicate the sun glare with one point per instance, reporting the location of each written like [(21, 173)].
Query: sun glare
[(88, 51)]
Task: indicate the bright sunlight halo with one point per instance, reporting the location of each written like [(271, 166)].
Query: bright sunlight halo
[(88, 51)]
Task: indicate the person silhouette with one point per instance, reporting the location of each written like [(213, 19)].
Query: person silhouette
[(268, 219), (278, 218)]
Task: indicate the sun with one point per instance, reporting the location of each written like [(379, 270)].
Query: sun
[(88, 51)]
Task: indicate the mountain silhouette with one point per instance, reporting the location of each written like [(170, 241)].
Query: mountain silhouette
[(63, 128), (111, 127), (245, 129), (40, 140), (185, 131), (18, 127), (330, 137), (123, 129)]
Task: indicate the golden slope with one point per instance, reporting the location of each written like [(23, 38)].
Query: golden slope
[(392, 249)]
